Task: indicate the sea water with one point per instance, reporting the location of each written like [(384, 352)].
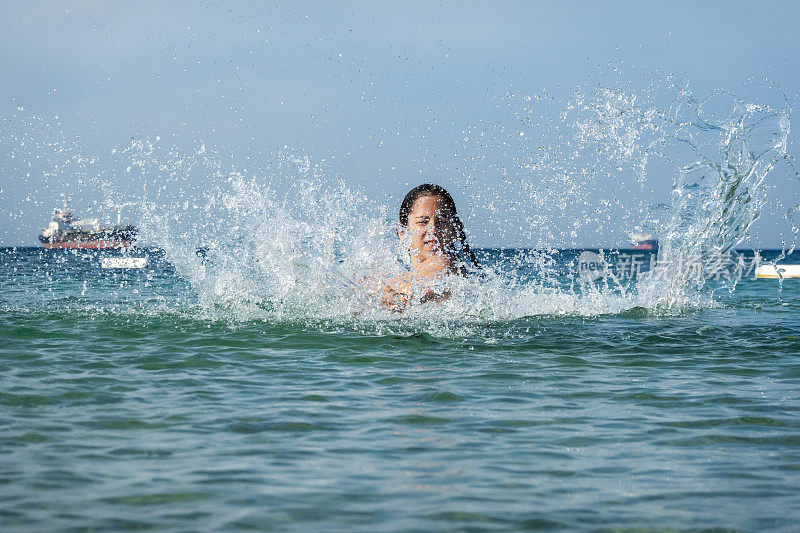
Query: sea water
[(248, 379), (128, 405)]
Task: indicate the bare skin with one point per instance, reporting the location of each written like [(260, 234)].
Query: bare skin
[(430, 237)]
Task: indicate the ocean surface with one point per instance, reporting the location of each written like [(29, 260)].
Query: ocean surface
[(127, 401)]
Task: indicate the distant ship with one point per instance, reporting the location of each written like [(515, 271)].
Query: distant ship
[(64, 232), (644, 241)]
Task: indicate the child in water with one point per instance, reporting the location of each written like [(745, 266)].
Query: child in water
[(434, 237)]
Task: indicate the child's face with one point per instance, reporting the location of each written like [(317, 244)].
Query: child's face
[(431, 229)]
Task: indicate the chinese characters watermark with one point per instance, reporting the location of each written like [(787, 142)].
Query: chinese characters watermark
[(623, 266)]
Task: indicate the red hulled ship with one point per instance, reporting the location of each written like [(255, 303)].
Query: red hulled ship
[(644, 241)]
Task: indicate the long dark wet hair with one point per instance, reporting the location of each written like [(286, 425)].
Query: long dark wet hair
[(429, 189)]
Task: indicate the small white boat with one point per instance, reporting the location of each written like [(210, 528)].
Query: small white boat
[(124, 262), (770, 271)]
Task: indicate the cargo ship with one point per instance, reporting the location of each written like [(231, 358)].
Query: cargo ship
[(644, 242), (64, 232)]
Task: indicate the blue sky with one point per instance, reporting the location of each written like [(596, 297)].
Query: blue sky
[(385, 92)]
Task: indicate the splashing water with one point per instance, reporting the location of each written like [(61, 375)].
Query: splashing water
[(720, 192), (298, 252), (291, 242), (721, 149), (718, 196), (288, 255)]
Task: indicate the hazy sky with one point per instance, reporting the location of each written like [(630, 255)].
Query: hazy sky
[(385, 92)]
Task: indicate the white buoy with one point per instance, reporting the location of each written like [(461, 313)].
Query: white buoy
[(786, 271), (124, 262)]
